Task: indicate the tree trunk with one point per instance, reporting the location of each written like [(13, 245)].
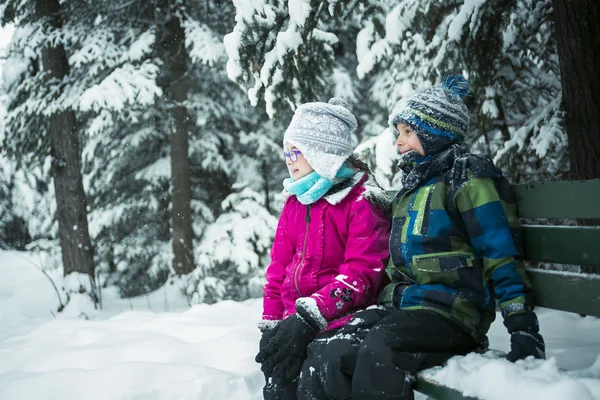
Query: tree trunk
[(176, 63), (77, 252), (578, 40)]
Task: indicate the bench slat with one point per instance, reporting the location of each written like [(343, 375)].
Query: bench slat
[(562, 244), (432, 389), (577, 293), (563, 199)]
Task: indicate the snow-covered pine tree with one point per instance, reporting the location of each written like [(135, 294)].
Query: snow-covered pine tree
[(507, 50), (235, 149), (128, 154), (27, 204), (174, 80), (287, 53), (372, 146), (7, 216), (284, 51), (14, 233), (234, 250), (41, 121)]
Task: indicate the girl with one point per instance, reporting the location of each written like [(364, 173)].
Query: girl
[(330, 247)]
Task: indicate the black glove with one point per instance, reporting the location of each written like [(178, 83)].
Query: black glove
[(525, 339), (285, 351)]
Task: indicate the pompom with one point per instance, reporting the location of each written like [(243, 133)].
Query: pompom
[(458, 85), (338, 101)]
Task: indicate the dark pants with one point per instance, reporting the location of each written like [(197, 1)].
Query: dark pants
[(279, 389), (382, 350)]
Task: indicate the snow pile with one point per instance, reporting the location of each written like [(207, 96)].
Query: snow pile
[(157, 347)]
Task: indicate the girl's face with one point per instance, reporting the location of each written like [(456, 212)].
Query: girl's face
[(299, 168), (408, 140)]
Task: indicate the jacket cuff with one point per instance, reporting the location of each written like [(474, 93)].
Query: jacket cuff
[(525, 322), (391, 295), (307, 307)]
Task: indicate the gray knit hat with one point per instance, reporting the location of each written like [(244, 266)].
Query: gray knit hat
[(321, 131)]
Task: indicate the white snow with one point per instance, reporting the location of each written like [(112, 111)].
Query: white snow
[(141, 46), (10, 67), (158, 347), (344, 85), (299, 11), (543, 136), (231, 43), (204, 46), (132, 349), (468, 12), (572, 344), (127, 84)]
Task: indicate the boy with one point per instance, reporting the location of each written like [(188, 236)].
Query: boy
[(454, 247)]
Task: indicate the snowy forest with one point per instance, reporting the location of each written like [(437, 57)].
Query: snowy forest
[(142, 168), (141, 140)]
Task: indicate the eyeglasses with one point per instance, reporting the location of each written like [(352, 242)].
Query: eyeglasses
[(292, 155)]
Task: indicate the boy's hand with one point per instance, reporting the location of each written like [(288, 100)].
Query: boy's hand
[(525, 339), (525, 344)]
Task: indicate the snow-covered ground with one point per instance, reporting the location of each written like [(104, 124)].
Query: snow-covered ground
[(157, 347)]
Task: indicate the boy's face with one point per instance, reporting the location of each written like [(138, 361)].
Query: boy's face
[(299, 168), (408, 140)]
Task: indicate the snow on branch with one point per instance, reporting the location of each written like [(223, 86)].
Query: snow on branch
[(203, 44), (128, 84), (544, 126), (281, 50)]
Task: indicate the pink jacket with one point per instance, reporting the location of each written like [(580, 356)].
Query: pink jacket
[(334, 251)]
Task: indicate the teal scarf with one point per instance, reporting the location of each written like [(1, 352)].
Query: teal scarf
[(313, 186)]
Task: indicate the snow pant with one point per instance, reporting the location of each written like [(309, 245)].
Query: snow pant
[(285, 389), (377, 354)]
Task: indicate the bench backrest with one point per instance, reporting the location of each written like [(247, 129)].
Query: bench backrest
[(580, 245)]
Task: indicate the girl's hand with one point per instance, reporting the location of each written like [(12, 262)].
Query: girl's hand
[(285, 347)]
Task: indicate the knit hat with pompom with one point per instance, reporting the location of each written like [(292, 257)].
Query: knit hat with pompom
[(322, 132), (437, 114)]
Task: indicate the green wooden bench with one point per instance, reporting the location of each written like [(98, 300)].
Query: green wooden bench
[(579, 245)]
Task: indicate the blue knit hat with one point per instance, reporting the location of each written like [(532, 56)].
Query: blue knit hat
[(437, 114)]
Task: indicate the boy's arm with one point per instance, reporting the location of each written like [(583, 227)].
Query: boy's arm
[(282, 253), (494, 231)]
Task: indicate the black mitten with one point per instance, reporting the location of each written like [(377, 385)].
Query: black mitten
[(525, 344), (285, 352), (525, 339)]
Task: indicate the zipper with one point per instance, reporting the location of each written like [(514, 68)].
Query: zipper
[(307, 220)]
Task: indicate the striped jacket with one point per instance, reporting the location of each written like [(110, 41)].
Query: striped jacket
[(455, 248)]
